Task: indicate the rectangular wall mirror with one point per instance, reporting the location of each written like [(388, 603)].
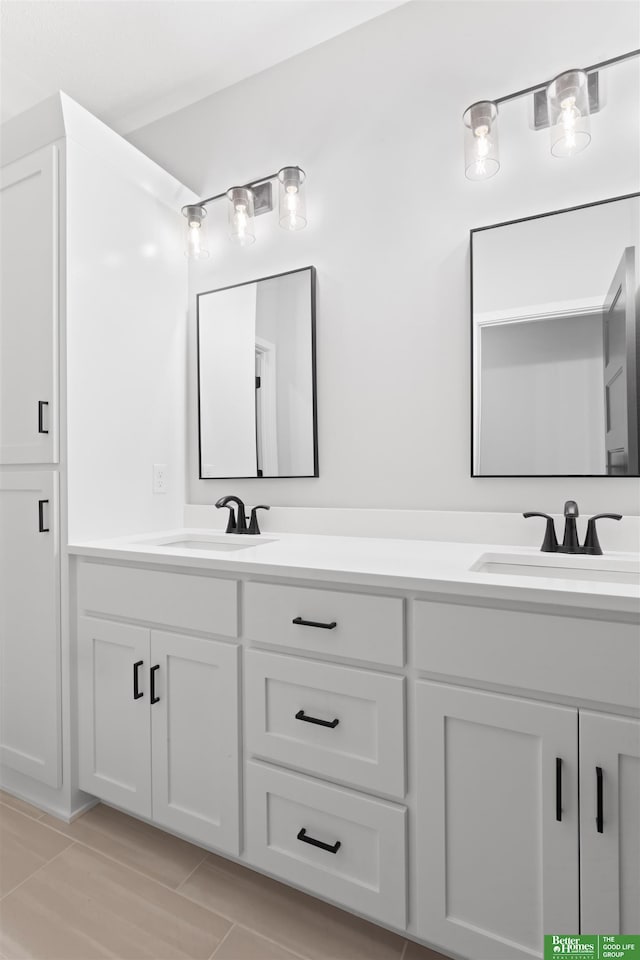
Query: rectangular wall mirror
[(257, 378), (555, 339)]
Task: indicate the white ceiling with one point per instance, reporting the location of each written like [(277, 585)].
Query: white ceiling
[(133, 61)]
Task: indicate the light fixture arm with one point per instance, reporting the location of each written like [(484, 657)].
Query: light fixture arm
[(594, 68), (248, 186)]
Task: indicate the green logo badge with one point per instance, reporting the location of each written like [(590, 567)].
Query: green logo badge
[(610, 947)]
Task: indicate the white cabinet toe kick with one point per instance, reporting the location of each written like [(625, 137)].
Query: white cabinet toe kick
[(465, 775)]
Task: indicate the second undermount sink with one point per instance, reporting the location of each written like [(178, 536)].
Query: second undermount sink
[(220, 544), (560, 567)]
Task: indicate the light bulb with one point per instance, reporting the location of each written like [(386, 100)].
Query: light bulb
[(196, 239), (568, 109), (292, 205), (241, 229), (481, 159)]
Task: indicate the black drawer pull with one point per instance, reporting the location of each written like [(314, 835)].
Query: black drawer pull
[(302, 835), (41, 526), (558, 788), (152, 676), (599, 801), (300, 715), (136, 690), (41, 405), (314, 623)]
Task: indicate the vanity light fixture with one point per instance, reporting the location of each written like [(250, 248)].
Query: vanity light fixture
[(563, 104), (196, 243), (568, 108), (481, 158), (241, 216), (293, 213), (244, 204)]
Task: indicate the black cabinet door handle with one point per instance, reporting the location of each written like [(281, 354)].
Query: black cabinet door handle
[(301, 715), (41, 405), (558, 788), (313, 623), (599, 800), (152, 677), (330, 848), (136, 690), (41, 526)]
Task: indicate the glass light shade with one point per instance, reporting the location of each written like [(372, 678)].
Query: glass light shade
[(292, 206), (481, 154), (241, 216), (568, 106), (196, 241)]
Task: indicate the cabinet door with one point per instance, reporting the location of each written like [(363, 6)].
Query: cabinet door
[(29, 309), (113, 713), (609, 823), (195, 738), (30, 709), (497, 822)]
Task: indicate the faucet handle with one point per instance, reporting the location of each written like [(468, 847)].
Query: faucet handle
[(253, 527), (591, 542), (550, 542)]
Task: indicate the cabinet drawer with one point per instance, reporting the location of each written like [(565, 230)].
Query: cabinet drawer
[(358, 736), (365, 627), (586, 659), (172, 599), (366, 873)]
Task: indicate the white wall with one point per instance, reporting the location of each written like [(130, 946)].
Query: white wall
[(126, 338), (374, 116)]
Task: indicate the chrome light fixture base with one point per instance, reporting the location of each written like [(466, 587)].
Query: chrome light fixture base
[(541, 111)]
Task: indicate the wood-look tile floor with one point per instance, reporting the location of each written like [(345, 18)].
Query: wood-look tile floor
[(110, 886)]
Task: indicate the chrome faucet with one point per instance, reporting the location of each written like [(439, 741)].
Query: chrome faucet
[(239, 524), (570, 542)]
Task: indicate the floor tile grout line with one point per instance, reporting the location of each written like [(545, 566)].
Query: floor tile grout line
[(23, 813), (71, 843), (226, 936), (188, 877), (404, 949)]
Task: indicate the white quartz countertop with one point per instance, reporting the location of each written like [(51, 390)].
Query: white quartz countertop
[(410, 565)]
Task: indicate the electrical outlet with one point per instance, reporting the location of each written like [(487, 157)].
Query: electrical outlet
[(160, 482)]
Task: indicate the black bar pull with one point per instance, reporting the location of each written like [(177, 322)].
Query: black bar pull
[(558, 788), (41, 526), (301, 715), (330, 848), (599, 801), (41, 405), (152, 677), (136, 690), (314, 623)]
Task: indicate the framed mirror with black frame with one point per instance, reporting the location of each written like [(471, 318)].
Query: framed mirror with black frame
[(257, 393), (555, 341)]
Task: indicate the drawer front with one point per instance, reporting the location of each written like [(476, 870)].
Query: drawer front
[(358, 860), (358, 736), (366, 627), (586, 659), (172, 599)]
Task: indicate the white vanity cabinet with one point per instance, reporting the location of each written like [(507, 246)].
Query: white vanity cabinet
[(29, 309), (609, 823), (158, 727), (497, 821), (30, 708)]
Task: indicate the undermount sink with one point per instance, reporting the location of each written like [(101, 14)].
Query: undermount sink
[(561, 567), (220, 544)]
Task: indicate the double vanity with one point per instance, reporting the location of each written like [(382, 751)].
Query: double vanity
[(382, 723)]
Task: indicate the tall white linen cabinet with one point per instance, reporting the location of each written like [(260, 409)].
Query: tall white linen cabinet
[(92, 344)]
